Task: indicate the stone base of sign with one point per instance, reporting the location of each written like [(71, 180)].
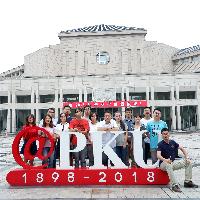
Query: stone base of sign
[(56, 177)]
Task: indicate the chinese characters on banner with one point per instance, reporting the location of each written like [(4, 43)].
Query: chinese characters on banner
[(108, 104)]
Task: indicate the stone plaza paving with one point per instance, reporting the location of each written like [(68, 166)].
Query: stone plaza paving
[(191, 141)]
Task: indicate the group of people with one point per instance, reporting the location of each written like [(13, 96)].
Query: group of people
[(155, 139)]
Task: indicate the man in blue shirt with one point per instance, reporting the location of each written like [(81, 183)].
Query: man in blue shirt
[(166, 153), (154, 128)]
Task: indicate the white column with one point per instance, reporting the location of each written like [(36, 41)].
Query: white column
[(37, 96), (173, 114), (123, 108), (13, 120), (177, 92), (8, 121), (13, 97), (37, 110), (61, 100), (80, 95), (8, 126), (32, 101), (147, 95), (61, 96), (13, 112), (56, 103), (152, 98), (9, 97), (152, 93), (178, 118), (198, 107), (173, 117), (122, 94), (127, 94), (85, 95)]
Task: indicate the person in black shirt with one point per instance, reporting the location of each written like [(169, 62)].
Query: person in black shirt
[(166, 153)]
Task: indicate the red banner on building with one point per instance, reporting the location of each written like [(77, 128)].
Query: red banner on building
[(108, 104)]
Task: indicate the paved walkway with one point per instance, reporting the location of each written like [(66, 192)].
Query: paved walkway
[(189, 141)]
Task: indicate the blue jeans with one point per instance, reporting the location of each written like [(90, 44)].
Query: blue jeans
[(122, 154), (50, 160)]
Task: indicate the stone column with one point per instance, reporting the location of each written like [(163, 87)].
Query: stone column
[(32, 101), (123, 108), (127, 94), (122, 93), (61, 100), (178, 118), (80, 95), (37, 96), (13, 120), (37, 110), (56, 103), (177, 92), (37, 116), (13, 130), (147, 95), (198, 107), (173, 114), (8, 126), (8, 121), (85, 94), (152, 98)]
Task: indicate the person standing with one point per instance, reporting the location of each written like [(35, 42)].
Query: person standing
[(93, 123), (60, 127), (166, 153), (48, 125), (154, 128), (86, 112), (121, 140), (29, 133), (82, 126), (147, 118), (67, 112), (50, 112), (107, 125), (129, 122)]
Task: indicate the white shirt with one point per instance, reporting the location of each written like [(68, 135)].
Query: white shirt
[(61, 127), (107, 136), (93, 128)]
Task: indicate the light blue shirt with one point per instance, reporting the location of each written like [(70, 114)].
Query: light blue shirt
[(154, 128)]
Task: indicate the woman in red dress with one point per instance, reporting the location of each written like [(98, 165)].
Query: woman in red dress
[(30, 133)]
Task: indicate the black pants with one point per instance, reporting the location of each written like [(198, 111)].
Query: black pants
[(147, 152)]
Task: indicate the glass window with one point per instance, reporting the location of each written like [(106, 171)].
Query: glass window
[(137, 96), (103, 58), (162, 95), (187, 95), (47, 98), (71, 97), (89, 97), (23, 99), (21, 118), (118, 96), (3, 99)]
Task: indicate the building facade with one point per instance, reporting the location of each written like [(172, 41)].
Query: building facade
[(108, 62)]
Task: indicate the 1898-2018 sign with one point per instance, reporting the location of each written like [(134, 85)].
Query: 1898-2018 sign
[(119, 174)]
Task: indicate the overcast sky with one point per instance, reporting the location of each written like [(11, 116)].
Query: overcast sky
[(28, 25)]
